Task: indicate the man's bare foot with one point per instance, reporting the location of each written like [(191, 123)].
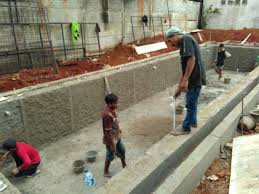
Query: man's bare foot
[(178, 133), (107, 175)]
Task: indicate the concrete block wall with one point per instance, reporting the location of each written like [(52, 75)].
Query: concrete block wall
[(243, 58), (119, 27), (49, 111)]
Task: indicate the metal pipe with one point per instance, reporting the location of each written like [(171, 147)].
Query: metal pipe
[(16, 11), (161, 20), (133, 33), (153, 26), (64, 44), (49, 38), (168, 12), (200, 15), (143, 27), (84, 50), (13, 30)]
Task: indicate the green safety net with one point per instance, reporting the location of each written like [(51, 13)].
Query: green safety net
[(75, 29), (257, 59)]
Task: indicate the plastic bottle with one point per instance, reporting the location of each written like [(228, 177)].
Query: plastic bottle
[(184, 113), (89, 182)]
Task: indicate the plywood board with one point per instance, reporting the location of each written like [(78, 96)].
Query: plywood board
[(244, 168), (150, 47)]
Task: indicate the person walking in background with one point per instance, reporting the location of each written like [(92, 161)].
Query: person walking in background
[(112, 134), (27, 158), (220, 60), (193, 76)]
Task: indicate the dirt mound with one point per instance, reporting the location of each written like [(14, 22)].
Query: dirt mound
[(29, 77), (232, 35), (120, 54), (125, 53)]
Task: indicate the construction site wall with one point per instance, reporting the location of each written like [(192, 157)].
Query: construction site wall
[(114, 18), (234, 14)]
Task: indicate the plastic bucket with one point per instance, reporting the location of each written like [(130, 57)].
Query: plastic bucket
[(248, 123)]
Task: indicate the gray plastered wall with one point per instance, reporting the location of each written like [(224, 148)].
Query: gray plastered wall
[(243, 58)]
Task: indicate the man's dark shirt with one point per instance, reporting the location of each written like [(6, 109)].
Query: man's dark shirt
[(190, 48), (221, 57)]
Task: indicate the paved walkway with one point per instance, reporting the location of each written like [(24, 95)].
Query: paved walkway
[(244, 168)]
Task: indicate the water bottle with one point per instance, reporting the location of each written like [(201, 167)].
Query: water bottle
[(88, 181), (184, 113)]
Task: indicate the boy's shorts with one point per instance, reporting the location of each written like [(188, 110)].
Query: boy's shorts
[(120, 151), (220, 67)]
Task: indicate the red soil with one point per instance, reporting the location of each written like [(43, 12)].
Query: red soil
[(120, 54), (126, 53), (232, 35)]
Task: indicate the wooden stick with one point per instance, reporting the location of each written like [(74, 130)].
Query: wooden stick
[(199, 35), (246, 39), (107, 85)]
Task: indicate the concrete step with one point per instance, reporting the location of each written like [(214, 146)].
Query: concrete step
[(11, 189)]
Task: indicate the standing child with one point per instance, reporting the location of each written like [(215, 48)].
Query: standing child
[(220, 60), (112, 133)]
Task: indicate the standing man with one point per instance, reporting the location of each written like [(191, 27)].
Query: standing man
[(193, 76), (27, 158)]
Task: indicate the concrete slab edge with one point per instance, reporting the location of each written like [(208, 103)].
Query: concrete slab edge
[(144, 181), (189, 173), (11, 189)]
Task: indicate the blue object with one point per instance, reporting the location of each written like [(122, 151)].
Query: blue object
[(120, 151), (88, 178), (192, 96)]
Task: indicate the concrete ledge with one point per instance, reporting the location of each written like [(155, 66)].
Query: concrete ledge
[(165, 156), (244, 174), (227, 128), (189, 173), (10, 188)]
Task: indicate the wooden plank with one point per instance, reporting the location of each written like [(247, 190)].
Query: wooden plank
[(244, 165), (246, 39), (150, 48)]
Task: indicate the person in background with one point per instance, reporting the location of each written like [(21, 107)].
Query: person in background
[(112, 133), (27, 158), (193, 76), (220, 60)]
